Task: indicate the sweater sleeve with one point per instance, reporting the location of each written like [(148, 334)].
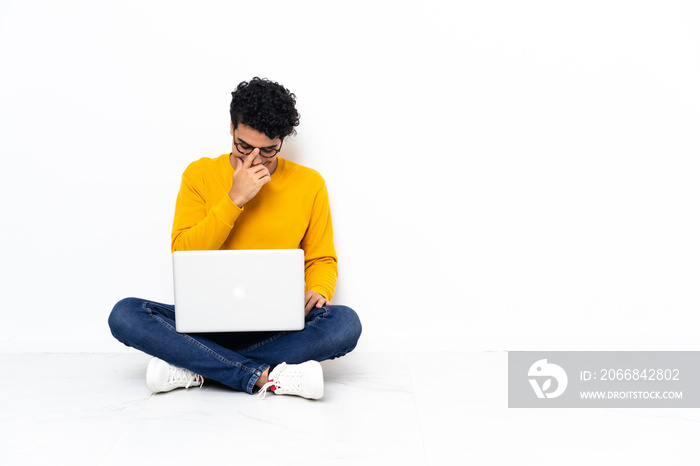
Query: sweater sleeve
[(193, 227), (319, 251)]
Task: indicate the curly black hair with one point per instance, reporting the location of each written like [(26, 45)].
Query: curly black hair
[(266, 106)]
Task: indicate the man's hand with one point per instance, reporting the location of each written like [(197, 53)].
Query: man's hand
[(312, 300), (247, 179)]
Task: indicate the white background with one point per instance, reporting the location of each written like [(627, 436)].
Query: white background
[(503, 175)]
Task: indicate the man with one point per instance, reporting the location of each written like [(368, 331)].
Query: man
[(250, 198)]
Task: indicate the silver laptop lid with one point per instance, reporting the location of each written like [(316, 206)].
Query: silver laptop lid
[(239, 290)]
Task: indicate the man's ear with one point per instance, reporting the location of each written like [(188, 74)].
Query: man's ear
[(231, 128)]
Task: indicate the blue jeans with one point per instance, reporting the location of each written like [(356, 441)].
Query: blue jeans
[(233, 359)]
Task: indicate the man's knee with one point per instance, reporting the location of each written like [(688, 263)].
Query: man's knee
[(121, 319), (350, 328)]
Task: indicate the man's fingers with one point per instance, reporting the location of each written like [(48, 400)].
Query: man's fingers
[(260, 169), (313, 299), (310, 302), (249, 159), (309, 298), (308, 306)]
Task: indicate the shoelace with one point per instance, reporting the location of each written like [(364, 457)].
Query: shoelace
[(288, 379), (263, 390), (178, 374)]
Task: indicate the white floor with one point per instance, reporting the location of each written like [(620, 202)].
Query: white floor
[(379, 408)]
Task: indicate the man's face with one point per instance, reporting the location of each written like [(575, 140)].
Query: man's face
[(247, 138)]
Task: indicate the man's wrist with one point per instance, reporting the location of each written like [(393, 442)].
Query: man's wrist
[(237, 202)]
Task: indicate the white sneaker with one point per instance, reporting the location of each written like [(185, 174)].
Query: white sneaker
[(305, 380), (163, 377)]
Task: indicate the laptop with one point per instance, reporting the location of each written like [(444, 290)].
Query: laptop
[(239, 290)]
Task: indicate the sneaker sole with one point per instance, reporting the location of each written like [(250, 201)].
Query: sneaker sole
[(150, 383)]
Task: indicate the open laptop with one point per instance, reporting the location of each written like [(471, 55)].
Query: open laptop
[(239, 290)]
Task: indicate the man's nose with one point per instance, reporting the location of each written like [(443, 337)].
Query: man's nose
[(257, 160)]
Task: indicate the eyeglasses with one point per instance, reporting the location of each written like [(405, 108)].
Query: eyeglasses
[(247, 149)]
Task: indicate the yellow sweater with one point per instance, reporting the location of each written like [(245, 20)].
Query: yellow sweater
[(289, 212)]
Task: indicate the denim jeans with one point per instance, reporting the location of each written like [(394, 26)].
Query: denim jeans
[(233, 359)]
